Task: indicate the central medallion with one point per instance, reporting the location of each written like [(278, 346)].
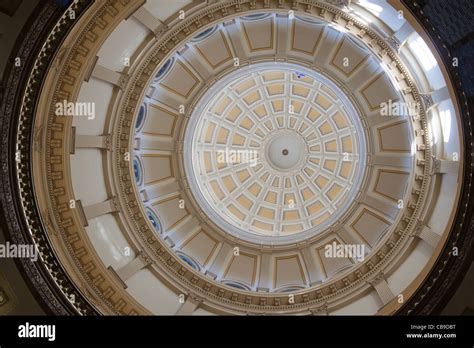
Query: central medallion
[(273, 153), (286, 151)]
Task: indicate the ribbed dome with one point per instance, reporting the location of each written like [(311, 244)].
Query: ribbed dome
[(272, 150)]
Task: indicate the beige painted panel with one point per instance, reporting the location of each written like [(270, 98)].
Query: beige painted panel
[(369, 226), (180, 80), (160, 121), (169, 212), (379, 90), (306, 37), (370, 67), (156, 168), (201, 246), (215, 50), (259, 34), (391, 183), (326, 47), (349, 56), (242, 268), (288, 271), (394, 137)]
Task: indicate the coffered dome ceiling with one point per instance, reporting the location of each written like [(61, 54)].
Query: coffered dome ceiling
[(232, 144)]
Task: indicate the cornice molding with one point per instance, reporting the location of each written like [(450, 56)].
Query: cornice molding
[(29, 48)]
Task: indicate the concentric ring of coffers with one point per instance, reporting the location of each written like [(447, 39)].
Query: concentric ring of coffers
[(174, 247), (272, 150)]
